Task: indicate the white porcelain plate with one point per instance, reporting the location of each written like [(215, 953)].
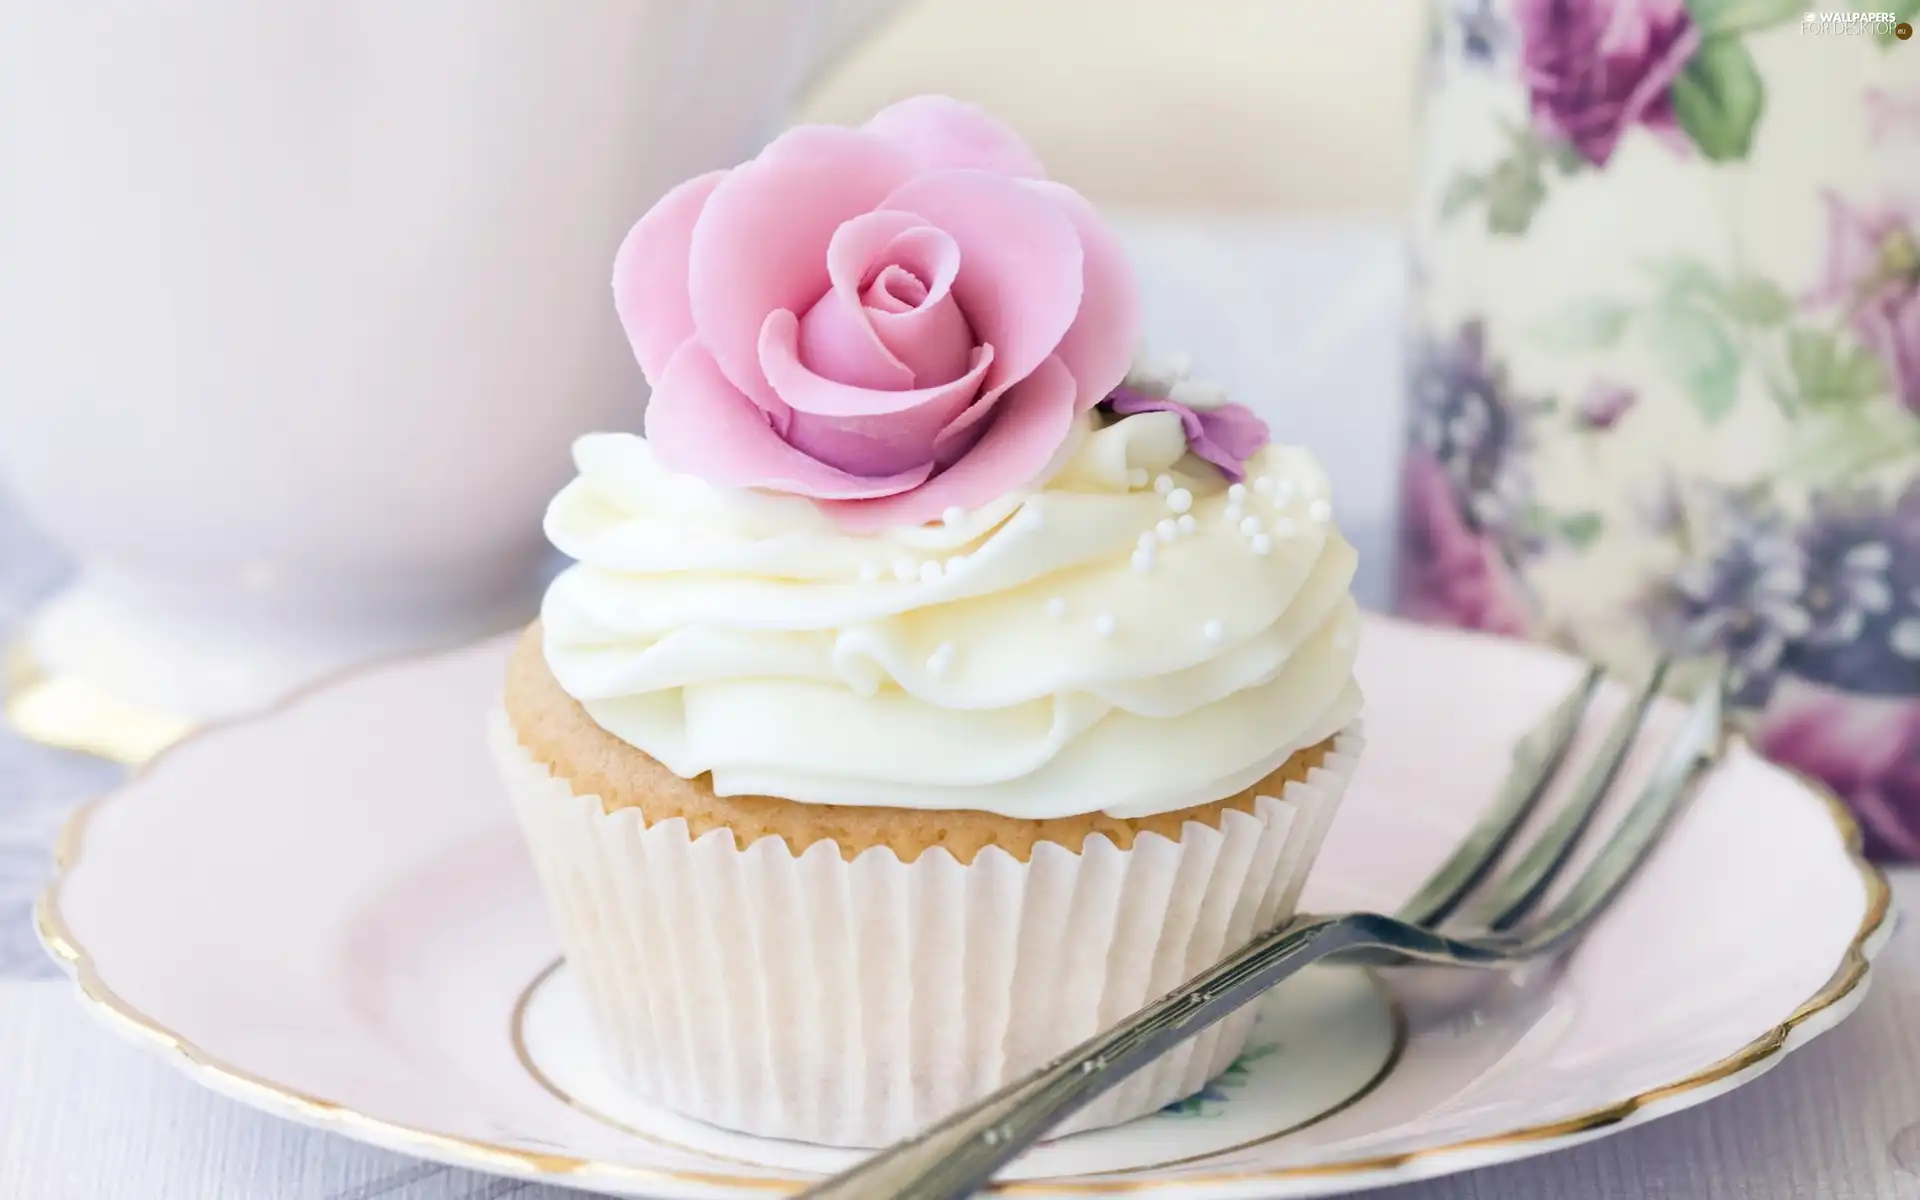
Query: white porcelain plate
[(326, 912)]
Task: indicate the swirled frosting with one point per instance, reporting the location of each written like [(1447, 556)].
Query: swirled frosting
[(1133, 635)]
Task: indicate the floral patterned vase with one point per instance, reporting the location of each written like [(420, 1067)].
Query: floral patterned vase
[(1665, 385)]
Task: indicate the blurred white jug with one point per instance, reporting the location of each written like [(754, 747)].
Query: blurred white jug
[(302, 302)]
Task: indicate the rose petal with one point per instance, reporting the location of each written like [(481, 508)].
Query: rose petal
[(838, 342), (700, 424), (939, 131), (650, 274), (1019, 284), (859, 430), (933, 340), (930, 335), (805, 391), (832, 350), (1032, 420), (894, 290), (844, 338), (1229, 436), (1098, 348), (761, 243), (1226, 435)]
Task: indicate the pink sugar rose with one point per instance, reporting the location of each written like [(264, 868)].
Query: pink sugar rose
[(893, 320)]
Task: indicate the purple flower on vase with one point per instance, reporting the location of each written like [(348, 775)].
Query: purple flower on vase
[(1844, 543), (1225, 435), (1596, 68), (1872, 274), (1464, 416), (1744, 600), (1866, 748), (1449, 573), (1604, 403), (1862, 595)]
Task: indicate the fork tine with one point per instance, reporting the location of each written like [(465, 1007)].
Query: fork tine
[(1516, 895), (1536, 760), (1683, 764)]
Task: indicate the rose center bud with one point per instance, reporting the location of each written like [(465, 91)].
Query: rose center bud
[(891, 325), (896, 289)]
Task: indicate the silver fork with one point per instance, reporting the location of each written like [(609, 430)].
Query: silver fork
[(960, 1154)]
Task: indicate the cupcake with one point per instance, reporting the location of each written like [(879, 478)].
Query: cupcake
[(936, 682)]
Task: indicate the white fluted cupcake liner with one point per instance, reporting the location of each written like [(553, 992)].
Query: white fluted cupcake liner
[(852, 1003)]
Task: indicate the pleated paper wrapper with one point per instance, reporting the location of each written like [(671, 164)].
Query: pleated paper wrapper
[(853, 1003)]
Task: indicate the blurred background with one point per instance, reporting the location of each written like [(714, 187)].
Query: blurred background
[(287, 288), (1157, 107), (1603, 315)]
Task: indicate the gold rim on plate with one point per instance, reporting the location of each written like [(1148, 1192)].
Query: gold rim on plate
[(1846, 978)]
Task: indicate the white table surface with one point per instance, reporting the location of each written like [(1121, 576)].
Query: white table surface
[(1301, 322)]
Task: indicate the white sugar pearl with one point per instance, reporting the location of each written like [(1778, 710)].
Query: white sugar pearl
[(930, 572), (1250, 526), (941, 660), (954, 515), (1264, 485), (1057, 607), (1163, 484), (905, 570), (1187, 524), (1233, 513), (1165, 529), (1214, 631), (1137, 477), (1237, 492), (1144, 560), (869, 572), (1261, 543), (958, 563), (1179, 500), (1105, 625), (1146, 540), (1282, 491), (1320, 510)]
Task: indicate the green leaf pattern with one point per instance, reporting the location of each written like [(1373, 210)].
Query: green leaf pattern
[(1694, 348), (1718, 98), (1717, 338), (1829, 372), (1720, 18)]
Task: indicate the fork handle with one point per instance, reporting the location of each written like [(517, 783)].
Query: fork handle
[(960, 1154)]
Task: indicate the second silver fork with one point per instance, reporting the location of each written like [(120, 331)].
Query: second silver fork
[(1460, 917)]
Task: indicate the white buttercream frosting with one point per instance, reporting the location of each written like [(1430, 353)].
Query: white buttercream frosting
[(1131, 636)]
